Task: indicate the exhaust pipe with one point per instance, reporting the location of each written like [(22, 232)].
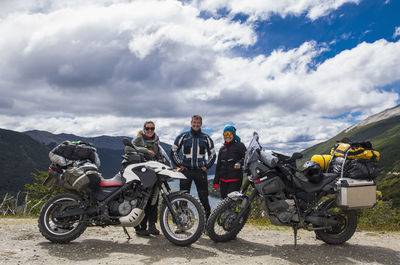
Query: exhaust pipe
[(321, 221)]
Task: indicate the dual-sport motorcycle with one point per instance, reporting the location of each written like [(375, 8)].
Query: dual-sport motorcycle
[(327, 207), (121, 201)]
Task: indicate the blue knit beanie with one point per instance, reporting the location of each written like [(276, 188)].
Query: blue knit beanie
[(233, 131)]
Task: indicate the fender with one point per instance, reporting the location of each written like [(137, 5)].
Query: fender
[(234, 195)]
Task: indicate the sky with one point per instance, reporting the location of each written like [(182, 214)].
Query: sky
[(297, 72)]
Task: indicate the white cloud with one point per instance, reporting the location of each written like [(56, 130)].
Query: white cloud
[(261, 9), (107, 67), (257, 9), (396, 32)]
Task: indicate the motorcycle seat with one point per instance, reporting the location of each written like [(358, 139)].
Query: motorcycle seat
[(313, 187), (112, 182)]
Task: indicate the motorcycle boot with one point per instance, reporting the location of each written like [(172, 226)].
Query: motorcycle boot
[(153, 230), (142, 232)]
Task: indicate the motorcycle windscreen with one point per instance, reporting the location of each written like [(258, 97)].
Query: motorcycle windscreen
[(251, 152), (146, 175), (164, 157)]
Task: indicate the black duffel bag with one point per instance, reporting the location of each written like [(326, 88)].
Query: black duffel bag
[(361, 169), (355, 168), (75, 151)]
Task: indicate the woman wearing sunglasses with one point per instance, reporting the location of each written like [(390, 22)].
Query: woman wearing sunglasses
[(229, 173), (147, 142)]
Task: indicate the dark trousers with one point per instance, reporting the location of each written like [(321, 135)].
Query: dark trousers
[(150, 215), (200, 180), (228, 187)]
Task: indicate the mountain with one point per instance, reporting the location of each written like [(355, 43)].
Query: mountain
[(386, 114), (383, 130), (19, 156), (108, 142)]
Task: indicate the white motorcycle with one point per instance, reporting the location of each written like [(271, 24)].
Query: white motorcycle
[(121, 201)]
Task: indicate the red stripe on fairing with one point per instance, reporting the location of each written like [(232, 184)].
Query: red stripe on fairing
[(229, 180), (109, 183)]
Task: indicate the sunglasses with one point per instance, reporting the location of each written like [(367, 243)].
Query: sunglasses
[(228, 133), (149, 128)]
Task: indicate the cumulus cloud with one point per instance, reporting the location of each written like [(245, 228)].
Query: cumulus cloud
[(95, 51), (396, 32), (261, 9), (106, 66)]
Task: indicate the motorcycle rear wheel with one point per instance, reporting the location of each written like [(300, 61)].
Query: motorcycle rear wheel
[(344, 230), (220, 223), (61, 229), (191, 219)]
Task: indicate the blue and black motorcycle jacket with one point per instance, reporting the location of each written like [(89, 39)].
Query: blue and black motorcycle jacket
[(194, 146)]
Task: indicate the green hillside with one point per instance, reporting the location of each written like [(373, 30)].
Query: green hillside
[(385, 137), (19, 155)]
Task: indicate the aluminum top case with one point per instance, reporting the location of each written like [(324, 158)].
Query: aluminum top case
[(356, 193)]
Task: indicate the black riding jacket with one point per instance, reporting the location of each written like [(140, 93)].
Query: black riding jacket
[(195, 145), (228, 156)]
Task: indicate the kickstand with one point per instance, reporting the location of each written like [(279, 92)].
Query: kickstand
[(126, 232), (295, 236)]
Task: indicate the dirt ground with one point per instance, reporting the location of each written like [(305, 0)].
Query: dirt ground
[(22, 243)]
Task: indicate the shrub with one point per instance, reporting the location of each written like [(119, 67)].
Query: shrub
[(381, 217), (37, 193)]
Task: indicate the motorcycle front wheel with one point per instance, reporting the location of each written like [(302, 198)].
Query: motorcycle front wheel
[(190, 223), (221, 225), (56, 228), (344, 230)]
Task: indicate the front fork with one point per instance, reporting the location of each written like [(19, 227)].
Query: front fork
[(246, 202), (164, 194)]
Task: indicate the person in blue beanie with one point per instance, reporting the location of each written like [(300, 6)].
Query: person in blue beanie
[(229, 172)]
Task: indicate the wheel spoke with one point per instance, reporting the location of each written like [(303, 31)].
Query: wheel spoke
[(344, 230), (187, 219), (190, 219), (57, 228), (222, 224)]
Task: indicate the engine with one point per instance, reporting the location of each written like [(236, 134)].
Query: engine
[(282, 211), (129, 199), (122, 207)]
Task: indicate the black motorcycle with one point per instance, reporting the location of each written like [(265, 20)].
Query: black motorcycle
[(327, 206), (120, 201)]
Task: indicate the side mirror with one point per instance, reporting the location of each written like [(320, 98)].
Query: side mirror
[(297, 156), (127, 142)]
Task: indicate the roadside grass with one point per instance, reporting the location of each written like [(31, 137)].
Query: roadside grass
[(14, 220), (18, 217), (379, 228)]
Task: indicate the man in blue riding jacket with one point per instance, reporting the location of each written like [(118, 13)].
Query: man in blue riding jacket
[(193, 163)]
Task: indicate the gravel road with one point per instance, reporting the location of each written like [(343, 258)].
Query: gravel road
[(22, 243)]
